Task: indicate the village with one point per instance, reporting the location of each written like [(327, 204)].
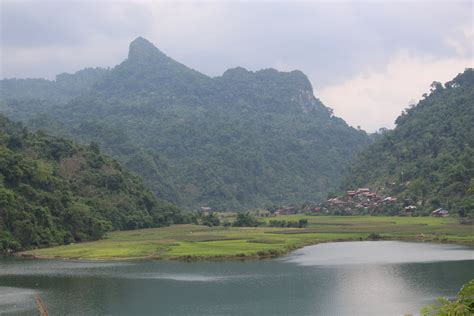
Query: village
[(361, 201)]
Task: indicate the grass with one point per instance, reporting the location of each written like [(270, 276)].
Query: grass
[(193, 242)]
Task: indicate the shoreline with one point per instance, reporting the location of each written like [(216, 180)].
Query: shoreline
[(261, 255), (189, 242)]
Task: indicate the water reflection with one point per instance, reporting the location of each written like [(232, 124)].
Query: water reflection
[(378, 252), (16, 300), (310, 281)]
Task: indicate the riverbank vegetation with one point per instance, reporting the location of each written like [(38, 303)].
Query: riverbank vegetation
[(461, 306), (195, 242)]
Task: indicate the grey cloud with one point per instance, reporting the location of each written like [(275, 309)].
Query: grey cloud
[(55, 23), (330, 41)]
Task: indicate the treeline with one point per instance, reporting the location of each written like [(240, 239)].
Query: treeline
[(243, 219), (54, 192)]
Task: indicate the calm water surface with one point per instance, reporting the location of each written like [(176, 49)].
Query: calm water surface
[(350, 278)]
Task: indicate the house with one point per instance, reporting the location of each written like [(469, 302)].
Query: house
[(335, 201), (408, 210), (362, 190), (205, 209), (440, 212), (286, 210), (389, 199), (315, 210)]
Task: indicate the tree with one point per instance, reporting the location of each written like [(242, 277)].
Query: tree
[(463, 305), (211, 219), (245, 219), (302, 223)]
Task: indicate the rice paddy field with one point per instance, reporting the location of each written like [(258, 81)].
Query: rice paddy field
[(194, 242)]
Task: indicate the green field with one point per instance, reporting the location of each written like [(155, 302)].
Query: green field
[(193, 242)]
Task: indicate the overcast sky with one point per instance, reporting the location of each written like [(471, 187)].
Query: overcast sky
[(366, 60)]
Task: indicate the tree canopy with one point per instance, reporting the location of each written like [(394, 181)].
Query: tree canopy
[(53, 191), (242, 140), (428, 159)]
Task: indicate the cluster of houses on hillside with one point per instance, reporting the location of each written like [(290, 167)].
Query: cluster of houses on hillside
[(363, 199), (359, 201), (354, 202)]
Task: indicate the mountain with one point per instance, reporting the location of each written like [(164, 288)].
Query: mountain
[(65, 87), (428, 159), (149, 73), (241, 140), (53, 191)]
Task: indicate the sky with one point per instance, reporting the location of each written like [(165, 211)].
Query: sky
[(366, 60)]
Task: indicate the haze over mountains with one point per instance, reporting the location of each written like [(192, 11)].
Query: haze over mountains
[(242, 140)]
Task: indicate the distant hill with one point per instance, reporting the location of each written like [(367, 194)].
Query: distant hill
[(65, 87), (428, 159), (242, 140), (53, 191)]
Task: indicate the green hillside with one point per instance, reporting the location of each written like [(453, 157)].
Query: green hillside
[(242, 140), (53, 192), (65, 87), (428, 159)]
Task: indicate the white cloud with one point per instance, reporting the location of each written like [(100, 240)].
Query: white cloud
[(458, 47), (376, 98), (214, 36)]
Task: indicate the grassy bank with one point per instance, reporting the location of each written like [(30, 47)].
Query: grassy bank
[(192, 242)]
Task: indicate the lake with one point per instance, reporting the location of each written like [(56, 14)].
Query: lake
[(347, 278)]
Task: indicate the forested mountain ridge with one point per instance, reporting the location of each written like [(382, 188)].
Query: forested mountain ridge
[(242, 140), (54, 192), (149, 73), (428, 159), (65, 87)]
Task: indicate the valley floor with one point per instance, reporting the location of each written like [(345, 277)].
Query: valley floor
[(193, 242)]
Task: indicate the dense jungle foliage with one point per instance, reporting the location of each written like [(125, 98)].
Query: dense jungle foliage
[(428, 159), (53, 191), (242, 140)]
